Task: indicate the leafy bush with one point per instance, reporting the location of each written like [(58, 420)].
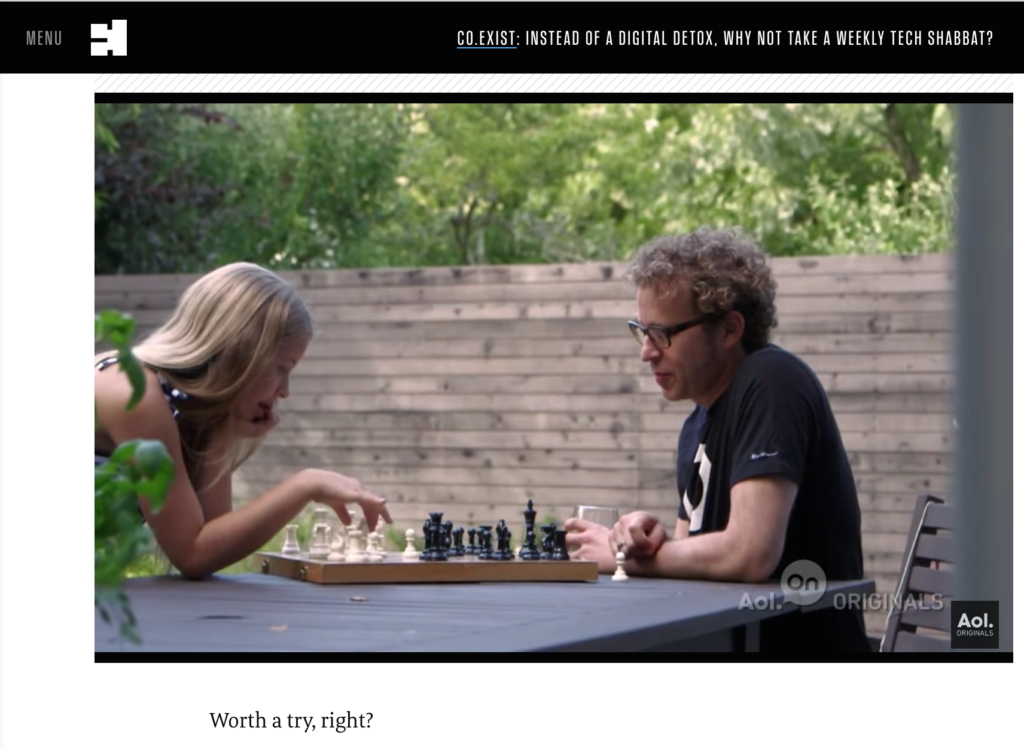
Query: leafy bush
[(136, 468)]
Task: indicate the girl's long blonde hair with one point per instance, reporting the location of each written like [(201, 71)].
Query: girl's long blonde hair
[(223, 334)]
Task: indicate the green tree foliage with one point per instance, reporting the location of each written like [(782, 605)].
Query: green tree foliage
[(187, 188)]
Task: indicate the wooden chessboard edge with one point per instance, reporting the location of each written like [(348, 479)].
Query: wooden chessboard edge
[(398, 570)]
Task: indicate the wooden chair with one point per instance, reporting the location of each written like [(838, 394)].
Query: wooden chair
[(926, 574)]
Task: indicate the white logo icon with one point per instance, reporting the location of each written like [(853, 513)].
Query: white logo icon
[(977, 622), (758, 456), (110, 39), (803, 582)]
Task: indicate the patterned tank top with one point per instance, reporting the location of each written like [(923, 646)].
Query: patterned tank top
[(172, 394)]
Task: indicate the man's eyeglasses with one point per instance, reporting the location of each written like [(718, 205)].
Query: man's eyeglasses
[(660, 335)]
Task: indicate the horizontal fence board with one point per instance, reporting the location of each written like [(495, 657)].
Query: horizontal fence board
[(845, 265), (455, 421), (869, 324), (807, 344), (470, 479), (651, 478), (788, 287), (936, 303), (561, 403), (441, 496), (456, 384), (903, 402), (343, 458), (618, 355), (907, 464), (496, 402), (852, 441), (839, 382), (464, 351), (581, 440), (885, 522), (848, 422), (884, 352), (870, 500)]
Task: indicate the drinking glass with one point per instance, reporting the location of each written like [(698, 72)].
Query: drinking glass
[(606, 516)]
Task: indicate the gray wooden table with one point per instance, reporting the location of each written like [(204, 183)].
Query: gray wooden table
[(261, 613)]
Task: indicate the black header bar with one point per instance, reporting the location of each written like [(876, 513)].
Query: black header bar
[(582, 38)]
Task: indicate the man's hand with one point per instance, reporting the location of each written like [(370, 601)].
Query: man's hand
[(593, 541), (638, 535)]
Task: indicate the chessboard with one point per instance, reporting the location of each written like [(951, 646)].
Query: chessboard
[(394, 569), (354, 555)]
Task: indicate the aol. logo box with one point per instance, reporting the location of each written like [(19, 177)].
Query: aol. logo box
[(975, 625)]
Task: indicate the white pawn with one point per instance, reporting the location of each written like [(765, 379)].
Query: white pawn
[(380, 538), (620, 567), (291, 540), (410, 547)]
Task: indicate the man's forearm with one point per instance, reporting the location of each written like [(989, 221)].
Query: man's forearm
[(713, 556)]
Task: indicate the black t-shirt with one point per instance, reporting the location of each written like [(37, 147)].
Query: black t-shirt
[(775, 420)]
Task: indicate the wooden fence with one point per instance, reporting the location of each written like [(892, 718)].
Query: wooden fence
[(468, 390)]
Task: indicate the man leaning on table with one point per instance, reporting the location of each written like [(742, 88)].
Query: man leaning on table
[(763, 477)]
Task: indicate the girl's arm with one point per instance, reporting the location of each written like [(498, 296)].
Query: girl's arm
[(198, 546)]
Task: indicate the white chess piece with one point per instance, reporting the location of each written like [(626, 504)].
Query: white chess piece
[(410, 547), (291, 540), (380, 538), (373, 549), (319, 516), (338, 543), (620, 567), (355, 545), (320, 549)]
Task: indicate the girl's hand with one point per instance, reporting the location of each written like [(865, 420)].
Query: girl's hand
[(336, 490)]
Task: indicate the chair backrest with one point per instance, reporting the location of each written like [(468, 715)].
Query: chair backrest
[(919, 620)]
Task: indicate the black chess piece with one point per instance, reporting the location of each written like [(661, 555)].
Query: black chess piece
[(504, 551), (438, 552), (529, 550), (457, 549), (472, 548), (560, 552), (484, 545), (447, 535), (548, 543), (428, 540)]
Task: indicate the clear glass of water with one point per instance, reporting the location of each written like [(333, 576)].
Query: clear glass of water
[(606, 516)]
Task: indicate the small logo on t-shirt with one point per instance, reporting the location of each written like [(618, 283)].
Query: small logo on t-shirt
[(758, 456), (693, 499)]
